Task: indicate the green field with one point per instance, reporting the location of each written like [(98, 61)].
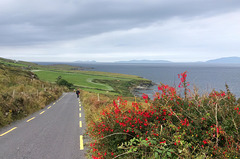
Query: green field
[(85, 80)]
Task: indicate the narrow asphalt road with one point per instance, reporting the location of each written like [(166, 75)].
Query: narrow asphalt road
[(55, 132)]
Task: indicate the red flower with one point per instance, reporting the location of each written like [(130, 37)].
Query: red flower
[(223, 94), (162, 142), (183, 77), (185, 122), (204, 141), (145, 96)]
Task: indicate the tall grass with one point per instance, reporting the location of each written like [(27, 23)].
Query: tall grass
[(22, 93)]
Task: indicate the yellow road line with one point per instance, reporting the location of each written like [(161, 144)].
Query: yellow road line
[(42, 112), (81, 142), (80, 124), (80, 109), (49, 107), (54, 103), (8, 131), (80, 115), (30, 119)]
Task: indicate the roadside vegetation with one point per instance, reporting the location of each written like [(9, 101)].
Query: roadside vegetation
[(22, 93), (178, 123)]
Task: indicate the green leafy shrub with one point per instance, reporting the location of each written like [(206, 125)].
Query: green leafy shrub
[(170, 126), (63, 82)]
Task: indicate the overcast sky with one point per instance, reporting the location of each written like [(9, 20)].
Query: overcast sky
[(114, 30)]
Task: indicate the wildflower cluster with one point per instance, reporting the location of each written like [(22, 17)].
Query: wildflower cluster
[(169, 126)]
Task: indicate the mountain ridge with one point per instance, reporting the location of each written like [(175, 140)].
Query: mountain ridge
[(144, 61), (233, 59)]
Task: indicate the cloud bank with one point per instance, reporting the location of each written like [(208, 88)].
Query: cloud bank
[(106, 30)]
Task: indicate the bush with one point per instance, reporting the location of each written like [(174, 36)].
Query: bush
[(170, 126), (63, 82)]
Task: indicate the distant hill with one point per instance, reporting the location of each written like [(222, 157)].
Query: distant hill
[(91, 61), (144, 61), (225, 60)]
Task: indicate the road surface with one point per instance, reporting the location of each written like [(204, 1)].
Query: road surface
[(55, 132)]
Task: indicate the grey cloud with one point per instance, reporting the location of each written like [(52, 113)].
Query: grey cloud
[(33, 22)]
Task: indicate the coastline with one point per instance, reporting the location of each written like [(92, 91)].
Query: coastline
[(137, 90)]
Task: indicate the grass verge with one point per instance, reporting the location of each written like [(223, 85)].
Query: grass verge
[(22, 93)]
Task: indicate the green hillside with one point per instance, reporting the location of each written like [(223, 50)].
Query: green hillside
[(93, 81)]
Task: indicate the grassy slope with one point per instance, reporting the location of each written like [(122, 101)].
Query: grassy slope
[(13, 63), (22, 93)]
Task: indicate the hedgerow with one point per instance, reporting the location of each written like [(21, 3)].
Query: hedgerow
[(169, 126)]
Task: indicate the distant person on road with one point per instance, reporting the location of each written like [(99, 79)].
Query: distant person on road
[(77, 92)]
